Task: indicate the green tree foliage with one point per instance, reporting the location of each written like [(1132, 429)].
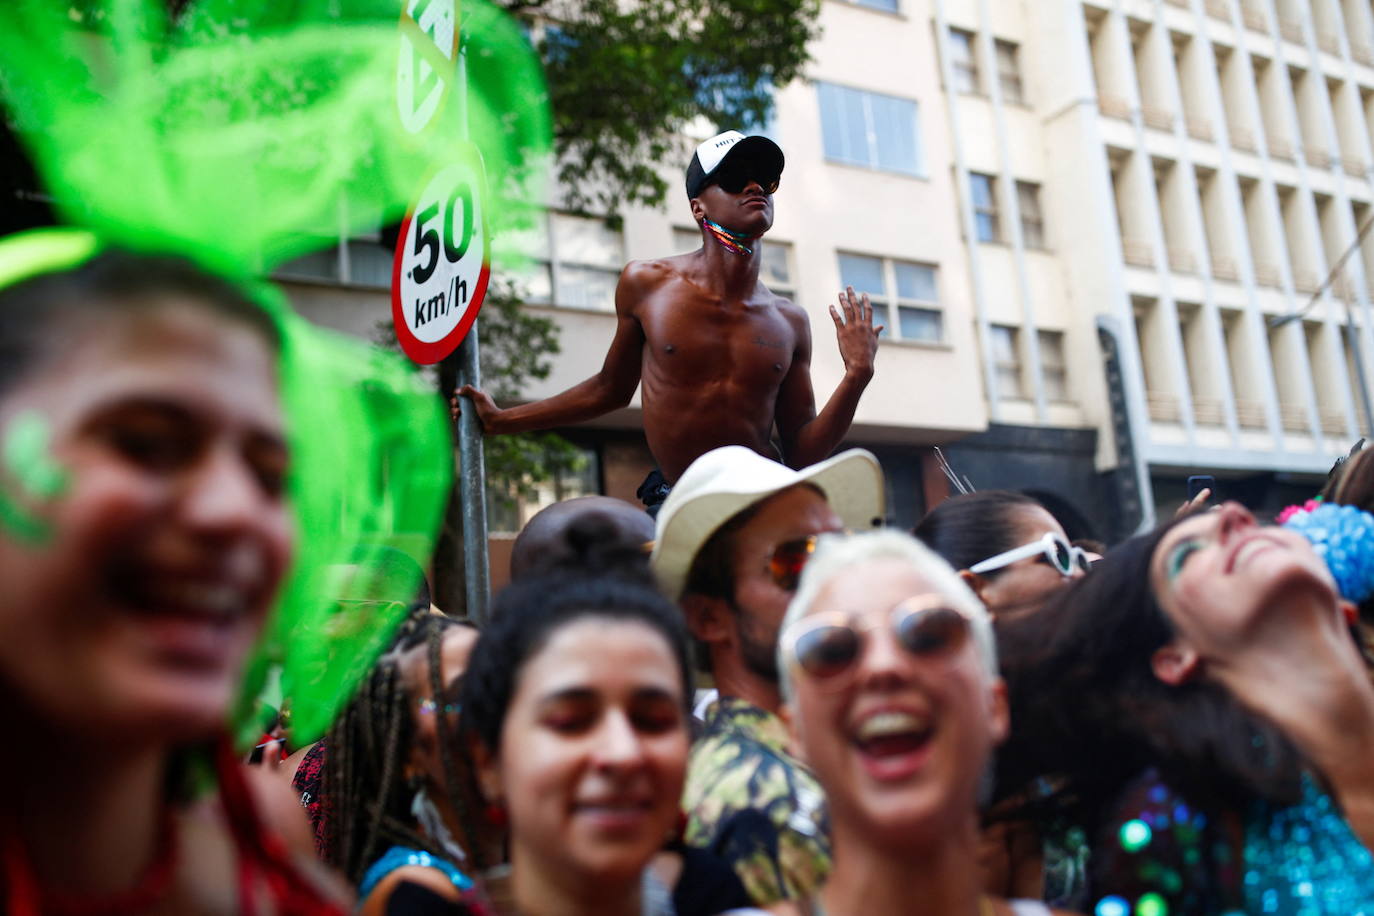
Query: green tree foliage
[(518, 347), (625, 78)]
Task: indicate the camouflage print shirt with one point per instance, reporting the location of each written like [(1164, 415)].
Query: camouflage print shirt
[(754, 805)]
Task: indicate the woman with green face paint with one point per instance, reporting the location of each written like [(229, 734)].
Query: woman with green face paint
[(183, 459), (147, 535), (1204, 710)]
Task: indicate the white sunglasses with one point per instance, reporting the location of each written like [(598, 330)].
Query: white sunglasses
[(1058, 552)]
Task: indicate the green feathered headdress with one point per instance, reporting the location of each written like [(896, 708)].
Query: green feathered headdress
[(236, 135)]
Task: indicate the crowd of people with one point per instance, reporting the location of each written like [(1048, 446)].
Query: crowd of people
[(763, 700), (752, 698)]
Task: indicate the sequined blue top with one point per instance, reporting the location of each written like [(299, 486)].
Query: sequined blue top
[(1168, 858), (1306, 861)]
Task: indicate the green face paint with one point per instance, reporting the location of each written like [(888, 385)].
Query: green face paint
[(1179, 555), (29, 468), (28, 458)]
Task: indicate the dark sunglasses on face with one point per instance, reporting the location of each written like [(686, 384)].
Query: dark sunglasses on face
[(734, 179), (788, 559), (1050, 548), (828, 645)]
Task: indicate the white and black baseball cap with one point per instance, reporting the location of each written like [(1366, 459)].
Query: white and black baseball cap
[(727, 149)]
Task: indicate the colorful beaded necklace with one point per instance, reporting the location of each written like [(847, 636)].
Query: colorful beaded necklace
[(733, 241)]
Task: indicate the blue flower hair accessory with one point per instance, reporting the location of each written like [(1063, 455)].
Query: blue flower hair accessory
[(1343, 536)]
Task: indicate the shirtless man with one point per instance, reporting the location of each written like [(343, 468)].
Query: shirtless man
[(723, 361)]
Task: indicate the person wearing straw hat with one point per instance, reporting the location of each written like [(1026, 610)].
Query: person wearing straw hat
[(722, 360), (732, 538)]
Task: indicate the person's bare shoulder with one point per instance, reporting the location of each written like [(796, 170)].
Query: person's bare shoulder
[(653, 272), (795, 316), (640, 280), (280, 807), (789, 308)]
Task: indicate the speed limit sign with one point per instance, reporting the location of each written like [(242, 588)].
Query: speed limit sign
[(441, 269)]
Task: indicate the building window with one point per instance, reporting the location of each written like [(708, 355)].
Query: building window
[(509, 510), (963, 59), (358, 261), (776, 271), (889, 6), (870, 129), (1054, 373), (577, 262), (1032, 220), (685, 240), (911, 286), (986, 223), (336, 257), (1009, 71), (1006, 361)]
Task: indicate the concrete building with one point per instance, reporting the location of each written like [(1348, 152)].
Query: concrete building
[(1080, 221), (1213, 158)]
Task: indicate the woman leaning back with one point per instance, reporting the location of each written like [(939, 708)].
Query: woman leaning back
[(146, 534), (893, 699), (1203, 708)]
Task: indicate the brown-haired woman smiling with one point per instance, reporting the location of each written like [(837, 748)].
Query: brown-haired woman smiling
[(147, 533)]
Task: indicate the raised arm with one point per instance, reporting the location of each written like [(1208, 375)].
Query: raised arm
[(610, 388), (808, 437)]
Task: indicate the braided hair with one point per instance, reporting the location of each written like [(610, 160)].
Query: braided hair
[(368, 746)]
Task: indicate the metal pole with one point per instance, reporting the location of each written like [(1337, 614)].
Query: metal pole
[(473, 486), (471, 454)]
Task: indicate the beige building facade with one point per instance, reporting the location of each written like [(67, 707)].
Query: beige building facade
[(1082, 223), (1216, 156)]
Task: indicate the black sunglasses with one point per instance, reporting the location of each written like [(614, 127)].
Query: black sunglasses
[(828, 645), (735, 177)]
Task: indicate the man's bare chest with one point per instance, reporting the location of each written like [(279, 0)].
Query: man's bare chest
[(697, 340)]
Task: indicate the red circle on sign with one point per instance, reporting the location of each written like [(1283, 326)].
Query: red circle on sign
[(423, 352), (440, 296)]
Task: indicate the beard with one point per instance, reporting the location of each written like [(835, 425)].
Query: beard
[(759, 652)]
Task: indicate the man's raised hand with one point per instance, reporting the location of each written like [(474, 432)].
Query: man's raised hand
[(858, 338)]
